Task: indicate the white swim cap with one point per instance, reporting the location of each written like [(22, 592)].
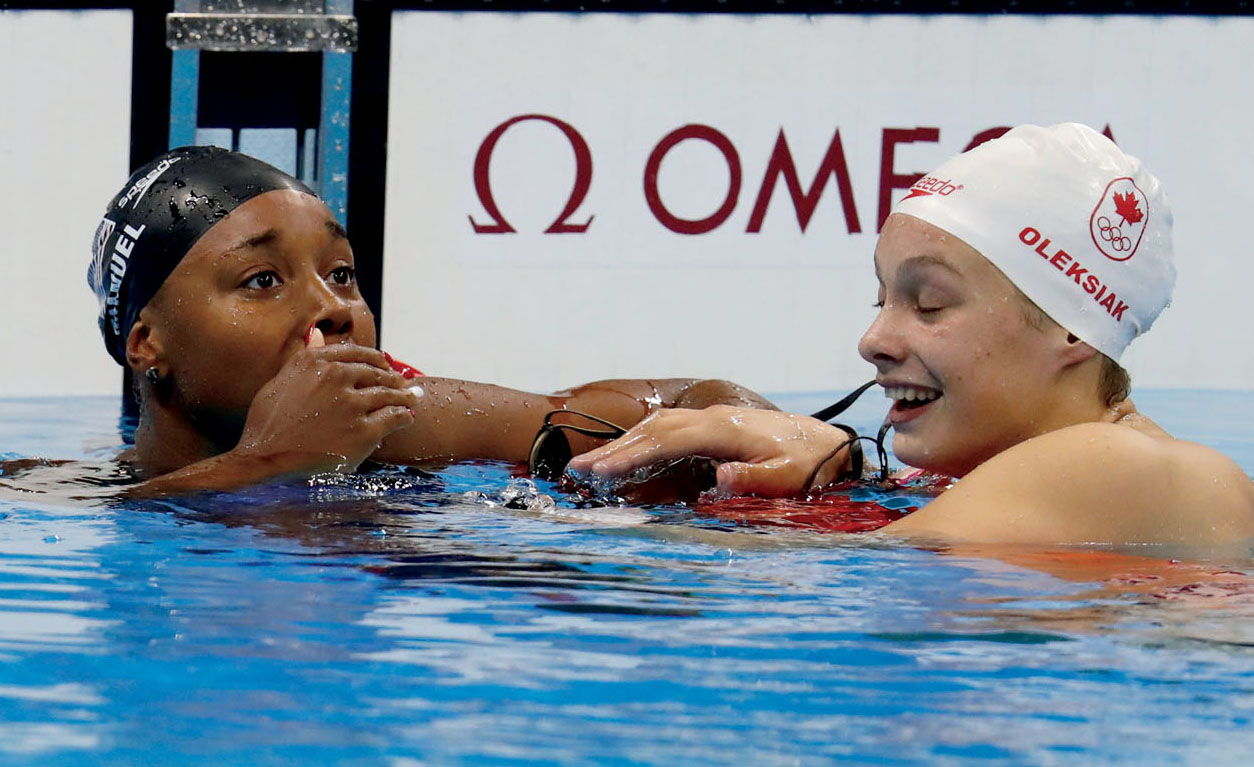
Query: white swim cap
[(1077, 225)]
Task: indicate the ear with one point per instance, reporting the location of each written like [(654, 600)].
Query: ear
[(144, 348), (1074, 351)]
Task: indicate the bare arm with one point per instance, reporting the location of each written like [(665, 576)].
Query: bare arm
[(228, 471), (356, 407), (460, 420), (1090, 483), (327, 409)]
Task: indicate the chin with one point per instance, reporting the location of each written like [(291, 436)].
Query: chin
[(909, 452), (932, 458)]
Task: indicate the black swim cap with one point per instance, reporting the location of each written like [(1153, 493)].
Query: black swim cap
[(162, 211)]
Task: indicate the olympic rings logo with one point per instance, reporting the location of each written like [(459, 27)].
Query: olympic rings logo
[(1119, 220), (1112, 234)]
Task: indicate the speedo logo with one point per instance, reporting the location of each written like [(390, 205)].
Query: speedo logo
[(137, 191), (930, 185)]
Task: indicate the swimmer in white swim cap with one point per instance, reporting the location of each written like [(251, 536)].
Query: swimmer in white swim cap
[(1011, 280)]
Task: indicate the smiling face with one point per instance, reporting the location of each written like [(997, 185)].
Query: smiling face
[(967, 373), (241, 301)]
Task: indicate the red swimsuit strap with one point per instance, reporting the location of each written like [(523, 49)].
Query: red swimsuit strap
[(407, 371)]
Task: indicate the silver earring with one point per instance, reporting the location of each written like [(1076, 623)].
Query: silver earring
[(153, 375)]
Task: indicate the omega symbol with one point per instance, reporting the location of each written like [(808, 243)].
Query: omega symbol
[(583, 179)]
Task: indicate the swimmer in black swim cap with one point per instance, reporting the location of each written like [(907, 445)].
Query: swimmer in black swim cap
[(229, 290), (164, 209)]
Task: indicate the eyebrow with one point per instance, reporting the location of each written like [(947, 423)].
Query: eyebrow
[(270, 235), (915, 263), (257, 240)]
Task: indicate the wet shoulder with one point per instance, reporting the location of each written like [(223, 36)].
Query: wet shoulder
[(1137, 447), (1095, 484), (1141, 483)]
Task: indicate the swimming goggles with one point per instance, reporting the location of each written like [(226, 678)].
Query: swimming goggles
[(551, 451)]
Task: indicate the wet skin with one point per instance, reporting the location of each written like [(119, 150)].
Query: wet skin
[(1012, 408), (950, 323), (249, 391), (950, 326), (230, 331), (241, 301)]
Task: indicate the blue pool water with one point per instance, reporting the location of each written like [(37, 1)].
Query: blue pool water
[(396, 620)]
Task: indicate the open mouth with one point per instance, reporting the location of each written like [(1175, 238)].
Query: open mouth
[(911, 397)]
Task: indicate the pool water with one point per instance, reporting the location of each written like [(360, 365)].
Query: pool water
[(408, 619)]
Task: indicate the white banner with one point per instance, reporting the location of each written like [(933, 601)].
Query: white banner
[(65, 118), (578, 197)]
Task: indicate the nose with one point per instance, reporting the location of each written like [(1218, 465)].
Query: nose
[(881, 344), (331, 313)]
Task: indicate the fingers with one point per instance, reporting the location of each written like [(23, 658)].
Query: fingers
[(626, 455), (665, 436), (341, 399), (768, 453), (374, 398), (379, 412), (387, 419), (772, 479), (364, 376), (314, 338), (348, 364), (316, 348), (639, 447)]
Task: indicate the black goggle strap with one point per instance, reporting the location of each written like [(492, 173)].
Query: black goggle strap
[(881, 452), (856, 459), (550, 451), (854, 443), (835, 409)]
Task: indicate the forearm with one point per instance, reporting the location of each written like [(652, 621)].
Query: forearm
[(457, 420), (231, 470), (462, 420)]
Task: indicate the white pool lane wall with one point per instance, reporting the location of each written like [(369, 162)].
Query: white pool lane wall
[(65, 119), (779, 309)]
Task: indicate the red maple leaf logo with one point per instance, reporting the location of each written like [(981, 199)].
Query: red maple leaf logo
[(1126, 207)]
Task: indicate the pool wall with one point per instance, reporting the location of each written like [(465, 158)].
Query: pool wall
[(696, 259), (686, 253), (65, 127)]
